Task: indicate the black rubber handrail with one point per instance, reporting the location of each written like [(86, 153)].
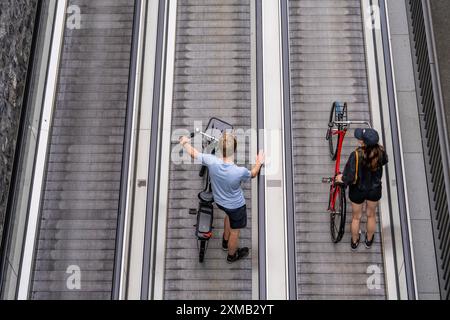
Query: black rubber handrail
[(118, 253), (288, 146), (152, 189), (261, 179)]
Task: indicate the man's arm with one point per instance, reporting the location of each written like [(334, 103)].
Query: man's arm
[(184, 141), (258, 164)]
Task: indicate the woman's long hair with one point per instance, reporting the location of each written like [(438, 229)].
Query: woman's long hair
[(371, 156)]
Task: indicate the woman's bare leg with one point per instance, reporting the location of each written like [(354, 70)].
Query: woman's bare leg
[(371, 219), (356, 221)]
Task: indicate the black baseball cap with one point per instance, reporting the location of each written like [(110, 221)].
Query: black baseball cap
[(369, 136)]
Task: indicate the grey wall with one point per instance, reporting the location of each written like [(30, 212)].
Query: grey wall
[(413, 153), (16, 26), (440, 10)]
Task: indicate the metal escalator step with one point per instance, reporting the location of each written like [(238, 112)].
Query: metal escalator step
[(77, 234), (188, 234), (56, 266), (72, 295), (330, 268), (328, 246), (226, 285), (342, 258), (356, 290), (66, 254), (80, 224), (332, 279), (62, 276), (77, 158), (61, 286), (207, 275), (207, 294), (332, 11), (78, 245), (218, 265), (312, 237), (325, 4)]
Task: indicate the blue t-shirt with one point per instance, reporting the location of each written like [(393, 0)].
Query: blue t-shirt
[(226, 181)]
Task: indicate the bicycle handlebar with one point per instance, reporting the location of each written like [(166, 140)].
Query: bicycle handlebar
[(206, 135), (353, 122), (332, 180)]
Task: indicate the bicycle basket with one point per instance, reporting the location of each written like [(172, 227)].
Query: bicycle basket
[(215, 128), (340, 111)]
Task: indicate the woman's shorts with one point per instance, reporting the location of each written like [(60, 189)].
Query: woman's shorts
[(359, 197), (238, 217)]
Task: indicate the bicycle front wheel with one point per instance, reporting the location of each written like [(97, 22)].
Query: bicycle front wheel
[(338, 215), (332, 138)]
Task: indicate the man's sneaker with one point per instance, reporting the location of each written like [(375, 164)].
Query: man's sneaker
[(240, 254), (224, 245), (355, 245), (368, 243)]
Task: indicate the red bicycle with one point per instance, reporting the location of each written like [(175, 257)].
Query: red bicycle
[(337, 205)]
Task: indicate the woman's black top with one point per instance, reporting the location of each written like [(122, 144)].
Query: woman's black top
[(367, 179)]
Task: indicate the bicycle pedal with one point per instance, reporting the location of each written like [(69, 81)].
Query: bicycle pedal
[(327, 180), (193, 212)]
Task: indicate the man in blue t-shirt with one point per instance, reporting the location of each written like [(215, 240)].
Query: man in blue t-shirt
[(226, 178)]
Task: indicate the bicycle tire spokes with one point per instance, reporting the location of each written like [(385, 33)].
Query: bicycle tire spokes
[(338, 215)]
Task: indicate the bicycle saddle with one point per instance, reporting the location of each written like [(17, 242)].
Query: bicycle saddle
[(206, 196)]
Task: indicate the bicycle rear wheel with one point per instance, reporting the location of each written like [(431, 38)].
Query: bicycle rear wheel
[(202, 251), (337, 216)]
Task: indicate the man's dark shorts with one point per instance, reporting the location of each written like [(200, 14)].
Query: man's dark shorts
[(358, 196), (238, 217)]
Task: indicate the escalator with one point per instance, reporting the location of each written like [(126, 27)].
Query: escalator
[(78, 219), (327, 63), (212, 79)]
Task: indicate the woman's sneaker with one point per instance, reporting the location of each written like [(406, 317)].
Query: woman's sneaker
[(368, 243), (224, 245), (355, 245), (240, 254)]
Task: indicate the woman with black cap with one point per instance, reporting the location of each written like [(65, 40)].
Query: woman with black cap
[(363, 173)]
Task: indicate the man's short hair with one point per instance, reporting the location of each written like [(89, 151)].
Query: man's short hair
[(227, 145)]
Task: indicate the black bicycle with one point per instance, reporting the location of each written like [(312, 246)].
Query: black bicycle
[(205, 212)]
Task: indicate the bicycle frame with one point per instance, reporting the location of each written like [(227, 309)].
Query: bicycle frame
[(341, 131)]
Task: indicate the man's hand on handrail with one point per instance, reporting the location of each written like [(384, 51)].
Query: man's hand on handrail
[(260, 158)]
